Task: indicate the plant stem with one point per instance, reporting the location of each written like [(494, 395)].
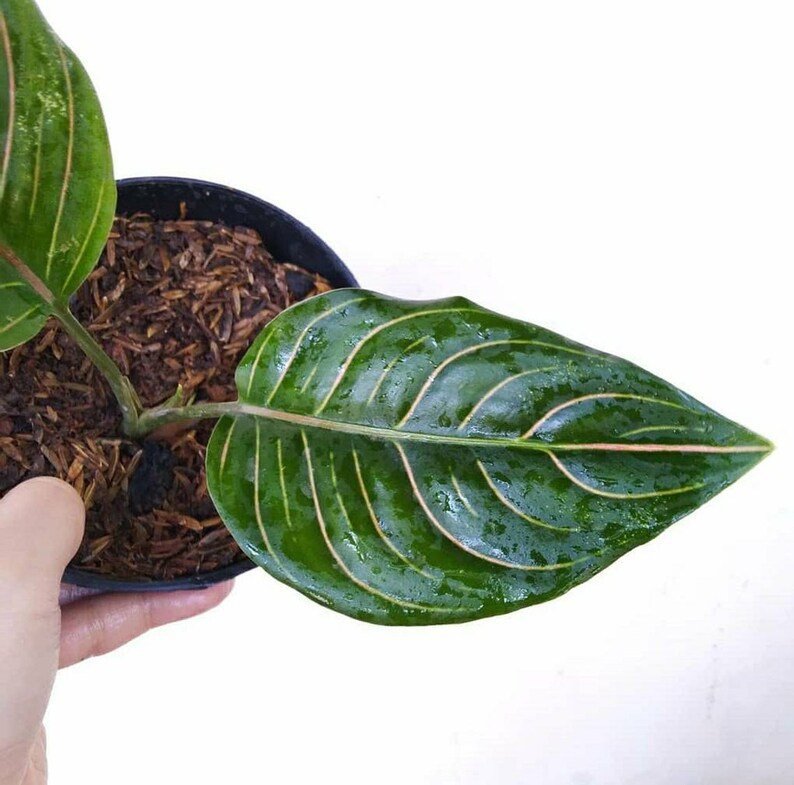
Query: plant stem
[(120, 385), (151, 419)]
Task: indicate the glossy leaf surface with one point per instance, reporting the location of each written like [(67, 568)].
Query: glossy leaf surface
[(57, 193), (419, 463)]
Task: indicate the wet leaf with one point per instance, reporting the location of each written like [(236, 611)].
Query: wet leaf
[(57, 193), (420, 463)]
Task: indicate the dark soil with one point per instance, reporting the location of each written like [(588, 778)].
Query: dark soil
[(174, 302)]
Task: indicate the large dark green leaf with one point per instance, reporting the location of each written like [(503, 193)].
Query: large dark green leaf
[(419, 463), (57, 193)]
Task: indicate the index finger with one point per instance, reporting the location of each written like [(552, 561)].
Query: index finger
[(96, 625)]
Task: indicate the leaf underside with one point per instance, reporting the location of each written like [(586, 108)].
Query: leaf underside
[(57, 193), (435, 462)]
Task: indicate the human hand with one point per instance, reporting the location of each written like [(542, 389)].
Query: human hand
[(41, 525)]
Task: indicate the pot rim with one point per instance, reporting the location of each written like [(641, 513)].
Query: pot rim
[(182, 188)]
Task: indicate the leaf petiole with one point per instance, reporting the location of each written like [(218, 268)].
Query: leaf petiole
[(121, 386)]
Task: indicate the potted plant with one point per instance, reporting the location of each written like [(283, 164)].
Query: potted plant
[(400, 462)]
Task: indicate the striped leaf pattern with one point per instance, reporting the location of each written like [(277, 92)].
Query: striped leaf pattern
[(421, 463), (57, 193)]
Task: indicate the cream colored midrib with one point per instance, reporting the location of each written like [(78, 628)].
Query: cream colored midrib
[(398, 432), (391, 435)]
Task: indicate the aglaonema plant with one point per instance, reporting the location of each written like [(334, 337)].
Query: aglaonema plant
[(400, 462)]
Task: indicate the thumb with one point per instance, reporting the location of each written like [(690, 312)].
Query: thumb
[(41, 525)]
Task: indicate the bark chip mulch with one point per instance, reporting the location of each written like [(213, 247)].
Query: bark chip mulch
[(172, 302)]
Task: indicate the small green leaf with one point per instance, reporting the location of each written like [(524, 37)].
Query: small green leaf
[(57, 192), (420, 463)]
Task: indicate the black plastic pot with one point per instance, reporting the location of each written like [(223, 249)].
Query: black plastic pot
[(284, 236)]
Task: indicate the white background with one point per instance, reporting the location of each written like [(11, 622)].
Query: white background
[(620, 172)]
